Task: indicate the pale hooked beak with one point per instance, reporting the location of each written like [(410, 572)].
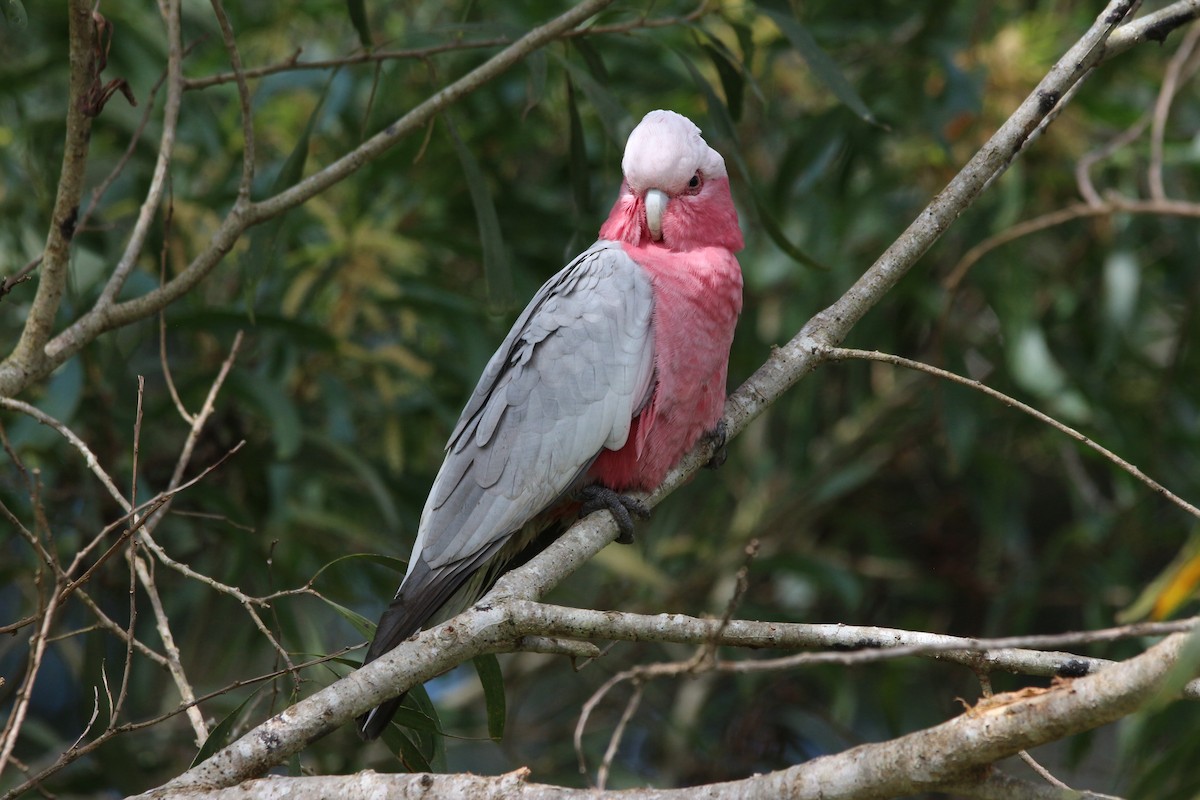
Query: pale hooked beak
[(656, 206)]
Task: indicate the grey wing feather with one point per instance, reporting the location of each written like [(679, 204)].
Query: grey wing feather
[(564, 384)]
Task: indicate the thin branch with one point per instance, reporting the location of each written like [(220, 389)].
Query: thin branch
[(89, 457), (841, 354), (79, 751), (1114, 204), (614, 741), (197, 423), (28, 356), (20, 276), (174, 664), (20, 707), (166, 149), (1083, 177), (1162, 107), (235, 61)]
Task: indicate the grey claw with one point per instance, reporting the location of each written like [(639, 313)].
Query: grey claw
[(623, 508)]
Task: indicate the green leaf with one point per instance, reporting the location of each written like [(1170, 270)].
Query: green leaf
[(496, 269), (581, 184), (14, 13), (408, 751), (397, 564), (490, 677), (418, 698), (731, 80), (591, 58), (370, 478), (824, 67), (221, 735), (264, 238), (358, 18), (613, 116), (364, 626), (535, 87), (278, 407)]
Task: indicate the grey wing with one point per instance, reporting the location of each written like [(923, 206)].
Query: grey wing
[(566, 383)]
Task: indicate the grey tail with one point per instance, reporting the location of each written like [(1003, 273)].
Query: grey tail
[(419, 597), (427, 595)]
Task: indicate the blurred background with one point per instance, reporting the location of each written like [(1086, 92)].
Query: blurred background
[(879, 496)]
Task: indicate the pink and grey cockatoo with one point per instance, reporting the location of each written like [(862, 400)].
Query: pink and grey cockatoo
[(612, 373)]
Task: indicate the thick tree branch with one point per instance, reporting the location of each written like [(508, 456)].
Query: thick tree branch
[(951, 754)]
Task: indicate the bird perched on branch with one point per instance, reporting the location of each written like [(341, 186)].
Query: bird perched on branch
[(611, 374)]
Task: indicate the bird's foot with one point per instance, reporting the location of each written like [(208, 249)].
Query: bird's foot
[(716, 437), (623, 508)]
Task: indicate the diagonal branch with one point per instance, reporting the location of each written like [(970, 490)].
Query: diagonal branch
[(166, 149), (28, 358)]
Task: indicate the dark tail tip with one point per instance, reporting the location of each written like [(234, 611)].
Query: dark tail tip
[(375, 721)]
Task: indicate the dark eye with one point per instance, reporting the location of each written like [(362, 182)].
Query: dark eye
[(694, 183)]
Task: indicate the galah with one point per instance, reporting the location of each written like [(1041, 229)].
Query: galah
[(609, 376)]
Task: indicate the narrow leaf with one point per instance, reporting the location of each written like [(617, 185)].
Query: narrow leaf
[(591, 58), (824, 67), (220, 735), (364, 626), (368, 477), (358, 18), (496, 268), (391, 562), (609, 110), (409, 753), (581, 186), (731, 80), (263, 240), (535, 87), (436, 741), (490, 677)]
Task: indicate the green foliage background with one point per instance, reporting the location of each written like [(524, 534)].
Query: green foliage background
[(880, 497)]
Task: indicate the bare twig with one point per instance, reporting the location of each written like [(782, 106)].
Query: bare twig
[(1083, 175), (174, 663), (20, 276), (89, 457), (618, 733), (80, 750), (235, 61), (20, 707), (1162, 107), (29, 355), (166, 149), (840, 354)]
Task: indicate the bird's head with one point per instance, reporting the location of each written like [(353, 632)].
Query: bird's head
[(676, 189)]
